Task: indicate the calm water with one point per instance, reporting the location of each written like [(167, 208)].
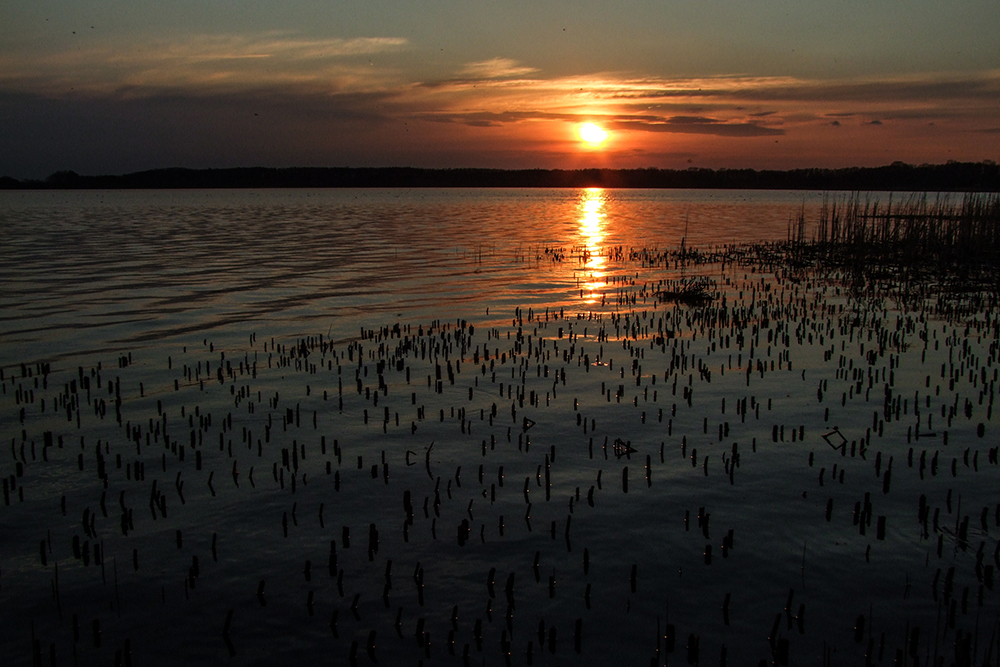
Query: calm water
[(229, 405), (87, 271)]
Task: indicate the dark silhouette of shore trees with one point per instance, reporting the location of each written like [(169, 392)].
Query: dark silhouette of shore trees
[(898, 176)]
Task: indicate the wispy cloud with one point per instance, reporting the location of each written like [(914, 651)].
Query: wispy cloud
[(733, 106), (277, 45), (201, 63), (700, 126), (616, 121), (494, 68), (484, 93)]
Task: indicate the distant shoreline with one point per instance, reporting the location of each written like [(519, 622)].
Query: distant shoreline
[(898, 176)]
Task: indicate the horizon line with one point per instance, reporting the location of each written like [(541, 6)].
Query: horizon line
[(983, 176)]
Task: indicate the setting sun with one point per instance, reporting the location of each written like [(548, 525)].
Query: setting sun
[(592, 134)]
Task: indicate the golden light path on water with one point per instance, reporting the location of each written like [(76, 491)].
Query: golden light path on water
[(592, 223)]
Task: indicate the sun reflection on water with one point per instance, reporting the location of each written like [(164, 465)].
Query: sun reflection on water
[(593, 260)]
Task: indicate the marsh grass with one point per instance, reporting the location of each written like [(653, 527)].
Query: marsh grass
[(698, 291), (915, 235), (912, 250), (922, 251)]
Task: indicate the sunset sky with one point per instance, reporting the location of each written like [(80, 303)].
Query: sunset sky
[(113, 86)]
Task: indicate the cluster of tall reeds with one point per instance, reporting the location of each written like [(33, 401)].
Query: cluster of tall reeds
[(915, 233), (914, 237), (915, 249)]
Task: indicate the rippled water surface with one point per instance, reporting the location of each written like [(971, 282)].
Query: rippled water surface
[(91, 270), (470, 427)]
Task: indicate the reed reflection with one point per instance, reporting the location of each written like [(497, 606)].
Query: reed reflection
[(591, 253)]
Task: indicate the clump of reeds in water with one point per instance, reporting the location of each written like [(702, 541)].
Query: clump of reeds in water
[(916, 248), (695, 291), (938, 235)]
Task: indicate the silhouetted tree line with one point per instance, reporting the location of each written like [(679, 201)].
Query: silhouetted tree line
[(898, 176)]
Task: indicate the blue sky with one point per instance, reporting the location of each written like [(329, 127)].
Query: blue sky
[(115, 86)]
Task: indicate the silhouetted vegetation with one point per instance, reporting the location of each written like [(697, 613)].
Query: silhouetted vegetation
[(912, 251), (917, 250), (898, 176), (955, 236), (696, 292)]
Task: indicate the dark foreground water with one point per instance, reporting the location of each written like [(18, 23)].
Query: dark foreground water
[(464, 427)]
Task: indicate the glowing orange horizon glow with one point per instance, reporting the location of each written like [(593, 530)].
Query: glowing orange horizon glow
[(592, 237)]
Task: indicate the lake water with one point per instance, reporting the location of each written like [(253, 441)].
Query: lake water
[(345, 425)]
